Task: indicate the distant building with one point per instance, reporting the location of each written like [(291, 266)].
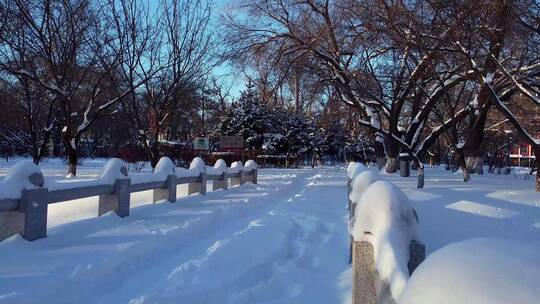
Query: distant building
[(522, 154)]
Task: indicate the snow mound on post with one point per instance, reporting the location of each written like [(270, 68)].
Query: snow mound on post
[(354, 169), (384, 217), (250, 165), (236, 166), (164, 167), (219, 167), (23, 175), (114, 169), (197, 164), (220, 164), (351, 166), (360, 184), (482, 270)]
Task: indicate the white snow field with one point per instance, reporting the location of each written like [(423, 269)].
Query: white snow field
[(284, 240), (281, 241)]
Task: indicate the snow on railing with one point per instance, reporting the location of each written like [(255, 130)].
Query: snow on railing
[(25, 194), (384, 239)]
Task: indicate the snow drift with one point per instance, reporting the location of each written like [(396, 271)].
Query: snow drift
[(479, 271)]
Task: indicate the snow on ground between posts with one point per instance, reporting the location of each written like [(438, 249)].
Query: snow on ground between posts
[(479, 271)]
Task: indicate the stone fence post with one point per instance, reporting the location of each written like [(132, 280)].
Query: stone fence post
[(221, 183), (254, 177), (30, 217), (363, 271), (118, 201), (167, 193), (198, 186), (238, 180)]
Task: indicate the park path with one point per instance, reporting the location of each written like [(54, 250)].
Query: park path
[(281, 241)]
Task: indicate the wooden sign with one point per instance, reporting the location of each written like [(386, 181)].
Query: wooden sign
[(231, 142)]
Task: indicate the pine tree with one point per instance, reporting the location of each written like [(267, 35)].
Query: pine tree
[(247, 117)]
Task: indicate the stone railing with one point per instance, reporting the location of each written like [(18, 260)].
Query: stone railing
[(368, 287), (25, 194)]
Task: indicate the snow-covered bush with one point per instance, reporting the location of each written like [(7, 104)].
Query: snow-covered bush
[(384, 218), (114, 169), (477, 271), (23, 175)]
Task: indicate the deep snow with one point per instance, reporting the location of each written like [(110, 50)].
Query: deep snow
[(284, 240)]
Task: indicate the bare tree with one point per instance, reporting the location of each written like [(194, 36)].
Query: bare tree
[(78, 56), (380, 59), (29, 99), (177, 46)]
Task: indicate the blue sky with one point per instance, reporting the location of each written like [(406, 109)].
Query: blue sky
[(234, 78)]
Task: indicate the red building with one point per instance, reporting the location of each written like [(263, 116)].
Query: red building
[(522, 154)]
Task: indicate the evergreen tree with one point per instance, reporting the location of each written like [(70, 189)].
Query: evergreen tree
[(247, 117)]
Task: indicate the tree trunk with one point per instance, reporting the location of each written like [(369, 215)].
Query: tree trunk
[(70, 147), (392, 153), (460, 158), (537, 155), (72, 162), (379, 151), (475, 164), (154, 155), (420, 183), (473, 148)]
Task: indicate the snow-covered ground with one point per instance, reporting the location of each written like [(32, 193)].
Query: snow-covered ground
[(449, 210), (284, 240)]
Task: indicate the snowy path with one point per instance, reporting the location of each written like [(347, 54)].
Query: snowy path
[(282, 241)]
